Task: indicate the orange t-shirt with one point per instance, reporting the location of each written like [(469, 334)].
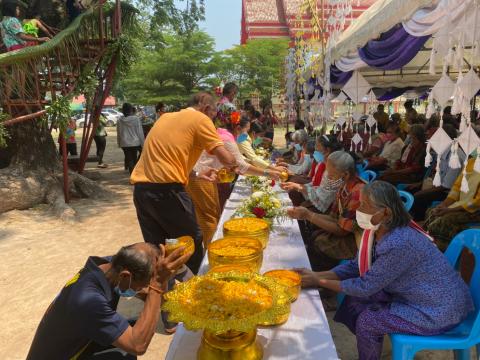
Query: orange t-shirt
[(173, 146)]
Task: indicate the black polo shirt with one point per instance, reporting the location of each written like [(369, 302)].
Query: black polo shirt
[(83, 312)]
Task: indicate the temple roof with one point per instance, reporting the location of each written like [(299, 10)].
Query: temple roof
[(278, 18)]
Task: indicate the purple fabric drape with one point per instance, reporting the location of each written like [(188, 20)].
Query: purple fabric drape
[(393, 93), (316, 86), (338, 77), (394, 49)]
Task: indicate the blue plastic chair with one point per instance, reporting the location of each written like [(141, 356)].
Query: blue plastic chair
[(465, 335), (361, 167), (402, 187), (407, 199), (368, 175)]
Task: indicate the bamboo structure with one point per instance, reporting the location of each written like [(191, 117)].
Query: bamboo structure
[(33, 77)]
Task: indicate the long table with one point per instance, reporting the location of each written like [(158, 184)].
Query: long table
[(306, 335)]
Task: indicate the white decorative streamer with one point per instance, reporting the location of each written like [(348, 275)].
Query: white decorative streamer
[(437, 180), (454, 162), (476, 166), (465, 188), (428, 158)]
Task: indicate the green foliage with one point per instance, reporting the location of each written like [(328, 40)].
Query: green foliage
[(59, 113), (4, 134), (87, 82), (171, 73), (174, 58), (258, 65), (165, 15)]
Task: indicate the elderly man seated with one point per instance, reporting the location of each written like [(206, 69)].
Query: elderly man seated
[(82, 322)]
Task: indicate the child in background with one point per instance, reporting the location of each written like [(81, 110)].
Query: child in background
[(32, 26), (13, 35), (70, 139)]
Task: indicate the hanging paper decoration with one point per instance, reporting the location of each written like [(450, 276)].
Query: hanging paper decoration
[(443, 90), (457, 96), (357, 87), (430, 107), (439, 142), (356, 116), (340, 122), (469, 141), (470, 84), (340, 98), (356, 141), (371, 122), (428, 157), (476, 166), (454, 162)]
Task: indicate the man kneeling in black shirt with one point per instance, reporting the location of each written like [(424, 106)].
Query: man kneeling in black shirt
[(82, 322)]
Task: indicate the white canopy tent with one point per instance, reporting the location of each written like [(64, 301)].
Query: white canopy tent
[(449, 22), (446, 62)]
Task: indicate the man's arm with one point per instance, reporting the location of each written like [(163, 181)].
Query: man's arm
[(135, 340), (225, 157)]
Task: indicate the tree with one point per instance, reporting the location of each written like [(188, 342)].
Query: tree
[(170, 73), (254, 66)]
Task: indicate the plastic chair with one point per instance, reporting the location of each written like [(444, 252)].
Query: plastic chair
[(361, 167), (402, 187), (466, 334), (407, 199), (368, 175)]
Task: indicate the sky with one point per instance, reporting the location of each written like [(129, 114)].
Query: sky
[(223, 22)]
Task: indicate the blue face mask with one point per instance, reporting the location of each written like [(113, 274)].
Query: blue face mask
[(298, 147), (242, 137), (129, 293), (318, 156), (257, 141)]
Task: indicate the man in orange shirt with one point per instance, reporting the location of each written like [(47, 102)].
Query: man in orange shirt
[(173, 146)]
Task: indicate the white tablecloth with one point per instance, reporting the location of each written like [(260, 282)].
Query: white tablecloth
[(306, 335)]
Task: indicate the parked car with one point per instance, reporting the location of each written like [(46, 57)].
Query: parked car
[(113, 112), (111, 119), (80, 120)]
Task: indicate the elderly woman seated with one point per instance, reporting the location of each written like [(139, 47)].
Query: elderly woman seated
[(299, 139), (457, 210), (374, 143), (314, 191), (410, 167), (399, 282), (334, 239), (303, 168), (391, 151)]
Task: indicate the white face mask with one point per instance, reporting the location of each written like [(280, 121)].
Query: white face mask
[(365, 221)]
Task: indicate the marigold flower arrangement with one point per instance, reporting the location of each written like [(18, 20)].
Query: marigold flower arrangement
[(225, 301), (264, 205)]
